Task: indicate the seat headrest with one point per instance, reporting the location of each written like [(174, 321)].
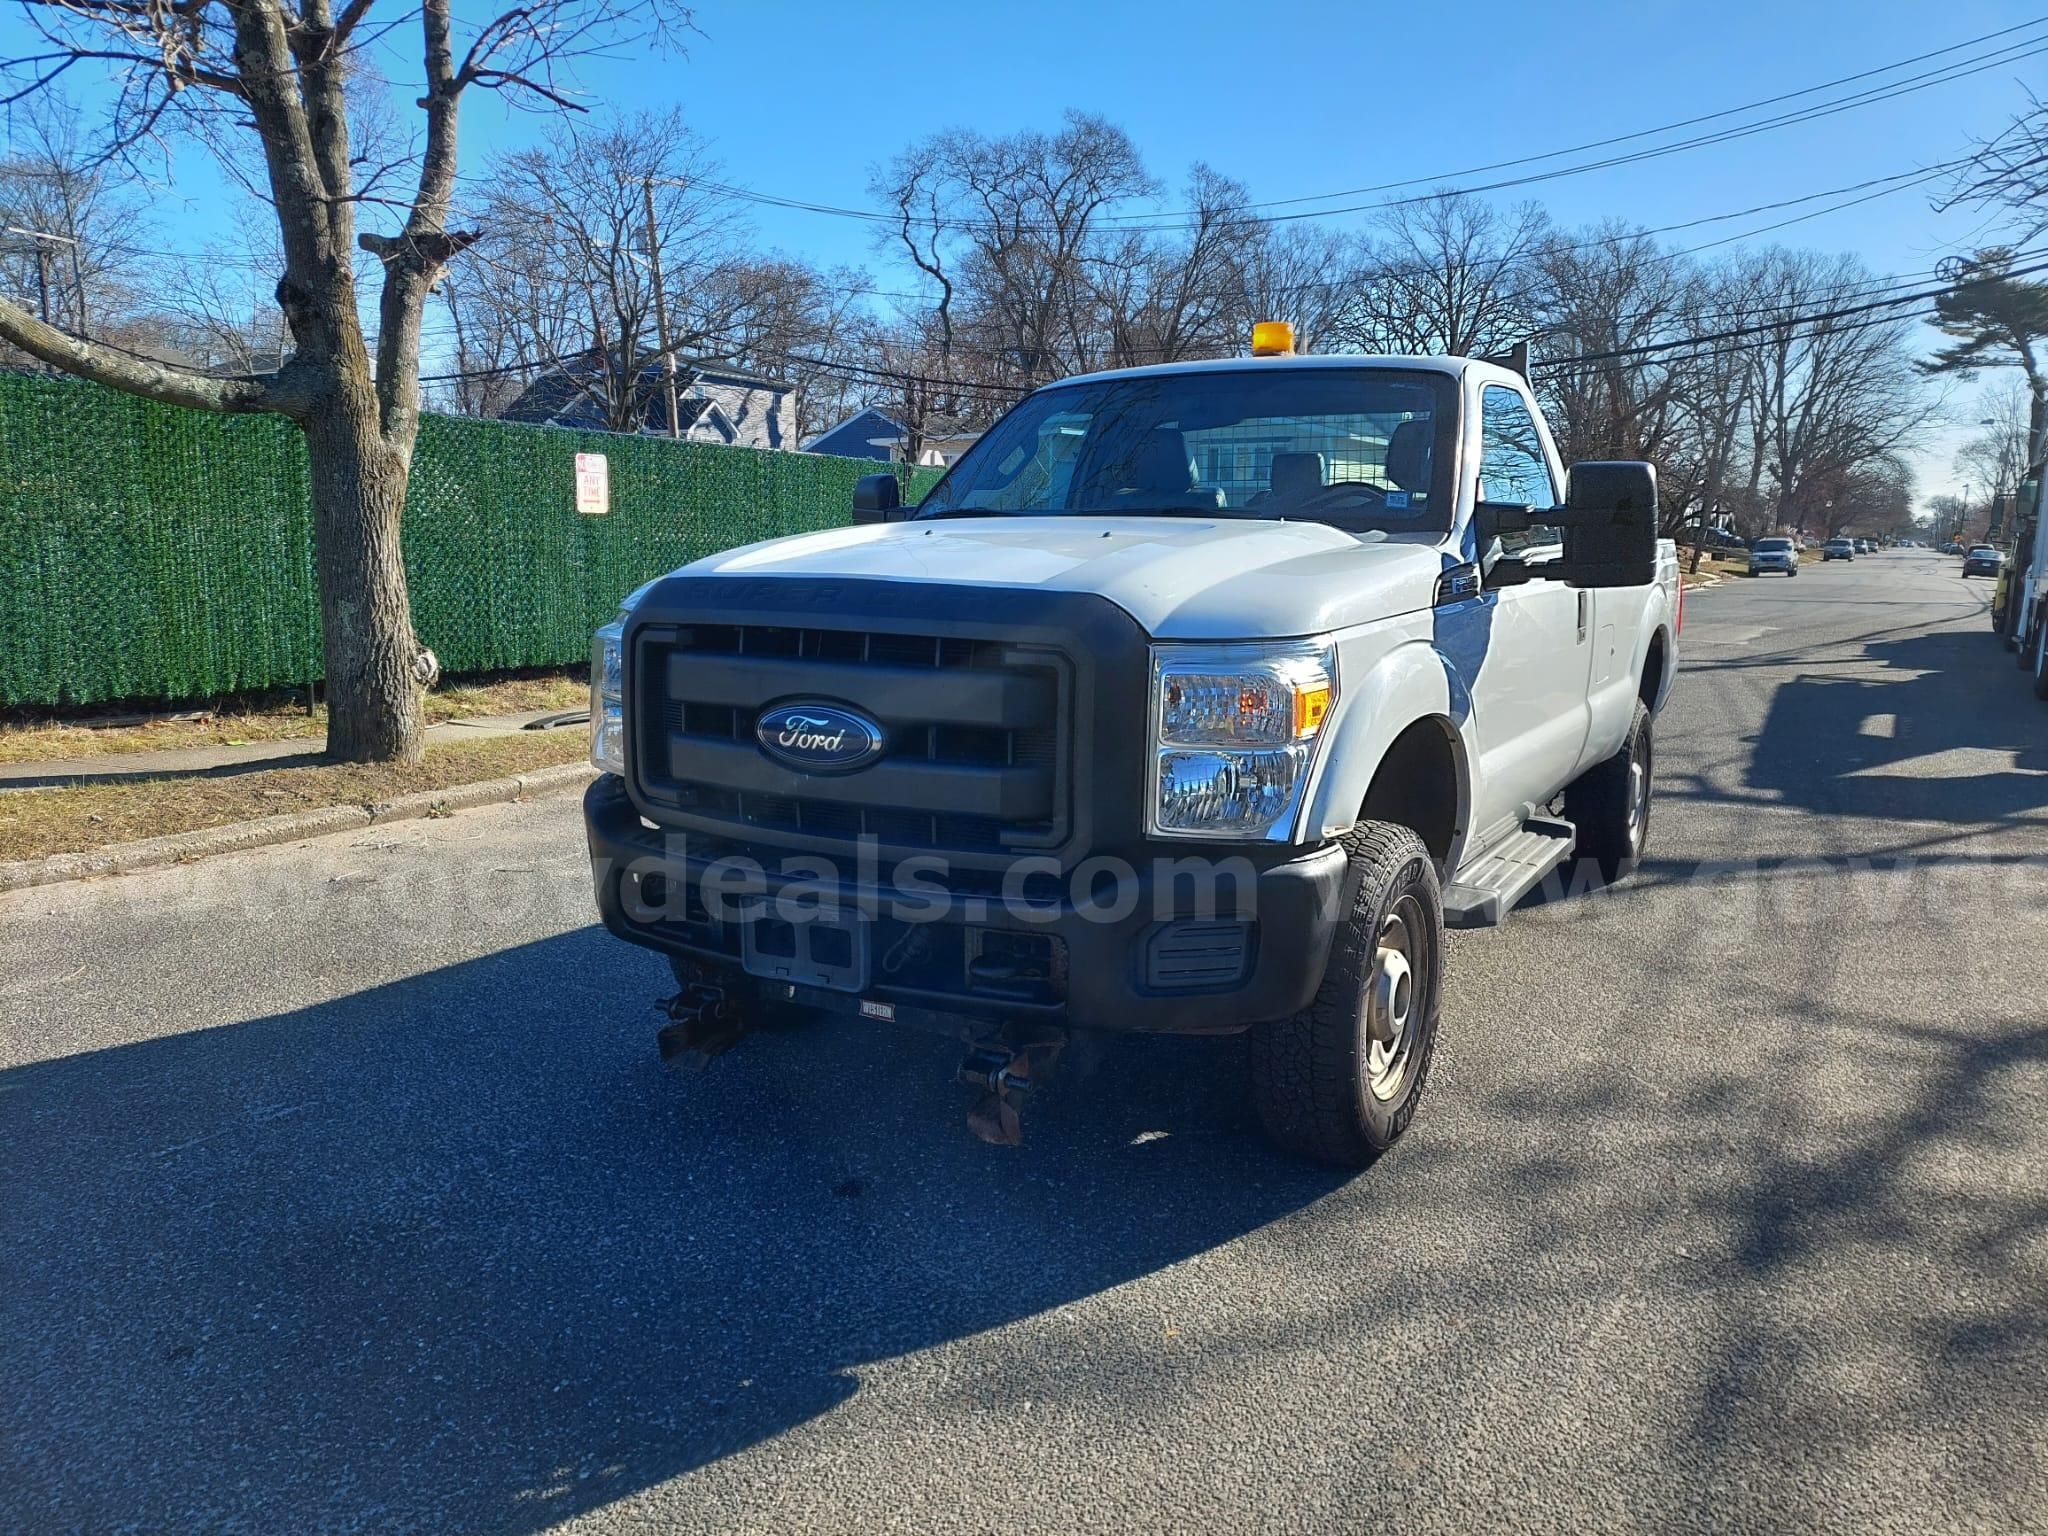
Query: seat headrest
[(1159, 465), (1408, 454), (1296, 474)]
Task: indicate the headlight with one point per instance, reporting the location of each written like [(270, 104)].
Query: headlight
[(1235, 729), (608, 687), (608, 698)]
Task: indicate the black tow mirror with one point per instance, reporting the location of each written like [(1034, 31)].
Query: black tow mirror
[(878, 499), (1610, 524)]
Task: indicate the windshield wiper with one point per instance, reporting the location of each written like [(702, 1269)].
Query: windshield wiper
[(1072, 512)]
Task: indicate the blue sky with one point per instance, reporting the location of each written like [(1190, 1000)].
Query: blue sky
[(803, 99)]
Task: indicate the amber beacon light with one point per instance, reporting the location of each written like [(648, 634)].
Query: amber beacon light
[(1272, 338)]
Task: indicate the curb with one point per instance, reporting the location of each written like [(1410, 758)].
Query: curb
[(292, 827)]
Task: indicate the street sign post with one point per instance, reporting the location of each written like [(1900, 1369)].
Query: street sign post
[(593, 485)]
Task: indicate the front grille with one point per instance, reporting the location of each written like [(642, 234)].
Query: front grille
[(975, 730)]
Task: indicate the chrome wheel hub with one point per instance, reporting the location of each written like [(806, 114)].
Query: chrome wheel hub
[(1393, 997), (1638, 800)]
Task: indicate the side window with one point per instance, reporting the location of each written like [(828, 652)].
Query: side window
[(1511, 462)]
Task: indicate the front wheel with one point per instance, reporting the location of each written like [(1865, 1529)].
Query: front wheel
[(1340, 1080), (1610, 804), (2041, 658)]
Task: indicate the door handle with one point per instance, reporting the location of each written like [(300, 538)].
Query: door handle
[(1585, 605)]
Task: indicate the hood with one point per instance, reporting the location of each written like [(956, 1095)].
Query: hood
[(1181, 578)]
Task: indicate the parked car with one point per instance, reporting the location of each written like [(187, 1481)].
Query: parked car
[(1109, 652), (1983, 560), (1774, 555), (1838, 549)]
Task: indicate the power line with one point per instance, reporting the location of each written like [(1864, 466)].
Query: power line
[(1775, 327), (1942, 75), (1693, 348), (1643, 133)]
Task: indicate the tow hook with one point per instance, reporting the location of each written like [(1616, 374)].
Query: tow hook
[(706, 1023), (1005, 1075)]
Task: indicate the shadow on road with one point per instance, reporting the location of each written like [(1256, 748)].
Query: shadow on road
[(1847, 1254), (1946, 734), (455, 1253)]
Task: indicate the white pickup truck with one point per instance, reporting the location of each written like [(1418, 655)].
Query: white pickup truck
[(1193, 699)]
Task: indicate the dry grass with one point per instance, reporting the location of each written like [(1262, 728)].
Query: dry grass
[(35, 822), (34, 739)]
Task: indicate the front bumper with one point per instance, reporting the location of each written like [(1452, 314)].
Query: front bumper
[(1139, 946)]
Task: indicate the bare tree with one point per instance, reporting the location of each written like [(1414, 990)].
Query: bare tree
[(220, 311), (1715, 393), (1832, 392), (225, 71), (68, 225), (1447, 274), (1006, 229), (1605, 293), (1302, 273), (2010, 170), (1164, 301), (566, 285)]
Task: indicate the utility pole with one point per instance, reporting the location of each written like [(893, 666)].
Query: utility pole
[(668, 352)]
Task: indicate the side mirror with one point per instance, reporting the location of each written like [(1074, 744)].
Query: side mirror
[(1491, 519), (1610, 524), (877, 498)]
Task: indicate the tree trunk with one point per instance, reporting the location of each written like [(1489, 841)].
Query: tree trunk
[(358, 484)]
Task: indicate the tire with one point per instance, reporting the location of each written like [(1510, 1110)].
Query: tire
[(1610, 804), (1328, 1082), (2041, 658)]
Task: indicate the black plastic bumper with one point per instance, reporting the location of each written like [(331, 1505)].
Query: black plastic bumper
[(1281, 906)]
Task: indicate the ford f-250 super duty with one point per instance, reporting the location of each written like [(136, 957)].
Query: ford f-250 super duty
[(1197, 698)]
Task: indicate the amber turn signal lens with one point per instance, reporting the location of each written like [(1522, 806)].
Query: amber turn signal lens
[(1310, 705)]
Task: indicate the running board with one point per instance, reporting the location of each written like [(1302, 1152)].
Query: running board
[(1487, 889)]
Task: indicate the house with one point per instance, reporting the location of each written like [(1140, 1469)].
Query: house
[(715, 403), (872, 434), (865, 434)]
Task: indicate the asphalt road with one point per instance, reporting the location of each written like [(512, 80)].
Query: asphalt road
[(342, 1190)]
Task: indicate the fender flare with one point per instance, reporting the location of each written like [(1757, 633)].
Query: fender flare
[(1410, 684), (1656, 629)]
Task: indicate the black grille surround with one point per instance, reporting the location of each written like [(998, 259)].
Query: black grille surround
[(1014, 717)]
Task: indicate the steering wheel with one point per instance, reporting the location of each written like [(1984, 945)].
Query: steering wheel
[(1340, 488)]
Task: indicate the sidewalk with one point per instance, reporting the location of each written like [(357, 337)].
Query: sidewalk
[(193, 762)]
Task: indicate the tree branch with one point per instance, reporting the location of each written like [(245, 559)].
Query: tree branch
[(277, 392)]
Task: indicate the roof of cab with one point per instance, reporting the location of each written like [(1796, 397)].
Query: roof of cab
[(1456, 366)]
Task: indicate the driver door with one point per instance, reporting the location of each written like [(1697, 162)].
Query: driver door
[(1529, 706)]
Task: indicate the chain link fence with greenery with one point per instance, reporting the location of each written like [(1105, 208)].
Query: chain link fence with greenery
[(148, 552)]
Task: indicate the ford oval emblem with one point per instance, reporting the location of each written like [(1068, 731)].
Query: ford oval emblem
[(819, 738)]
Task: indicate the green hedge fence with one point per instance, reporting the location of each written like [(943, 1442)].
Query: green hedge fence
[(148, 552)]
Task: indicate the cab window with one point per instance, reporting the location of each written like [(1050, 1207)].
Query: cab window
[(1512, 466), (1511, 463)]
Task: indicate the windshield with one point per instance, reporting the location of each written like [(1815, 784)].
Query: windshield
[(1773, 546), (1362, 448)]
